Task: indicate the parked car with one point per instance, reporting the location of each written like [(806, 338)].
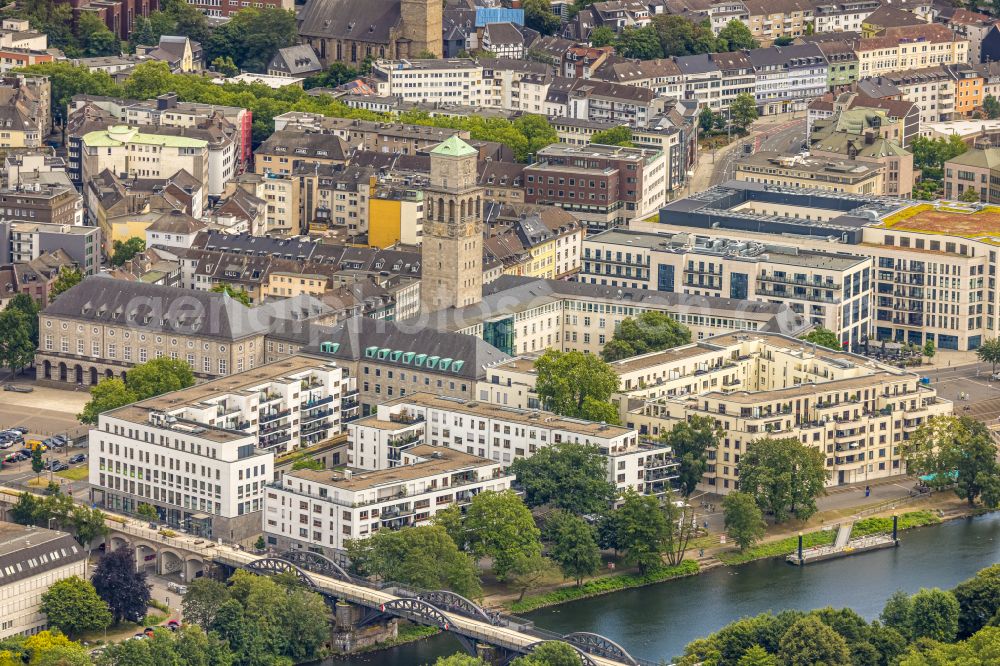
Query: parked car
[(6, 445), (78, 458), (17, 388), (59, 466), (60, 440), (21, 429)]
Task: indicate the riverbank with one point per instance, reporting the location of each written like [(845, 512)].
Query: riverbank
[(406, 633), (925, 511)]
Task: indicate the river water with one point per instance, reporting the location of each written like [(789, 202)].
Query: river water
[(656, 622)]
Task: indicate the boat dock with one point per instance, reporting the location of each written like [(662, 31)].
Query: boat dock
[(843, 546)]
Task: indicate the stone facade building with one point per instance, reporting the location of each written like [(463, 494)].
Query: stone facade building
[(452, 249), (102, 328), (349, 31)]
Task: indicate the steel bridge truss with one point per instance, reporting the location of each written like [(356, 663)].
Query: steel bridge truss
[(428, 607)]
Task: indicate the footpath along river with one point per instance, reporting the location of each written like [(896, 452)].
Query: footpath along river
[(656, 622)]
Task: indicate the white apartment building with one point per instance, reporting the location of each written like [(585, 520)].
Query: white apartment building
[(827, 288), (322, 510), (202, 455), (503, 434), (856, 411), (32, 559), (125, 150), (442, 81), (932, 89)]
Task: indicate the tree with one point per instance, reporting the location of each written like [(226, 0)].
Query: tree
[(679, 529), (929, 349), (649, 332), (934, 614), (16, 347), (529, 571), (736, 36), (240, 294), (576, 384), (304, 625), (73, 606), (691, 442), (158, 376), (202, 601), (642, 529), (37, 464), (989, 352), (500, 526), (823, 337), (109, 393), (538, 16), (680, 36), (550, 653), (970, 195), (459, 659), (147, 512), (744, 522), (602, 36), (981, 649), (757, 656), (537, 130), (640, 43), (616, 136), (783, 476), (743, 109), (706, 119), (424, 556), (452, 520), (809, 642), (978, 600), (929, 155), (95, 38), (568, 475), (27, 306), (27, 509), (122, 587), (252, 37), (572, 545), (67, 278), (89, 525), (225, 66), (336, 74), (125, 251), (992, 107), (956, 450), (897, 611), (51, 648)]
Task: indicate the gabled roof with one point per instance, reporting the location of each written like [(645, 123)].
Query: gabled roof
[(141, 306), (357, 20), (176, 222), (298, 59)]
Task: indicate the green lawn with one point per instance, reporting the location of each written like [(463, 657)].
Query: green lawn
[(75, 473)]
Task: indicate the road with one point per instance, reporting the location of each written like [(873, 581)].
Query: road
[(971, 389), (781, 135)]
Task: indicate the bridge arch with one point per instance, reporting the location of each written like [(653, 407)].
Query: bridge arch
[(456, 603), (116, 542), (272, 566), (600, 646), (194, 567), (171, 562), (417, 609), (316, 563), (145, 557)]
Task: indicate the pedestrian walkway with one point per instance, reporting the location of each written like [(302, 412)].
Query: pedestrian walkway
[(843, 535)]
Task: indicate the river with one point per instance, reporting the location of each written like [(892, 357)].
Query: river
[(656, 622)]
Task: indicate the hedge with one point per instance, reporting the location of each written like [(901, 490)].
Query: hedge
[(907, 521)]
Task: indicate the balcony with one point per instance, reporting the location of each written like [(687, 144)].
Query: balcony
[(312, 404), (268, 442), (819, 298), (266, 397), (316, 415), (274, 427), (804, 283), (314, 427), (274, 416)]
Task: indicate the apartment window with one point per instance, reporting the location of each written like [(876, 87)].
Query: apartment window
[(207, 365), (142, 355), (222, 366)]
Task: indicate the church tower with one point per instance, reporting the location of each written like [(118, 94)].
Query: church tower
[(451, 255), (422, 24)]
